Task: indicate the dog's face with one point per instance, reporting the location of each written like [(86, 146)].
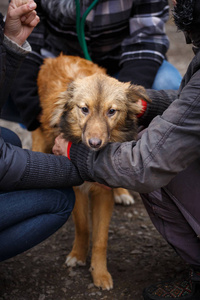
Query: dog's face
[(99, 109)]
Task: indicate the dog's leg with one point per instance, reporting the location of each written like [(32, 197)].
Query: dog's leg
[(122, 196), (81, 219), (39, 142), (102, 206)]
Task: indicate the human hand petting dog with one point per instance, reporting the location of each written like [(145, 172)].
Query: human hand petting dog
[(20, 21)]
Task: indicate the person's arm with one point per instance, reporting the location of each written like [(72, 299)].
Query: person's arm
[(25, 169), (24, 93), (169, 145), (2, 54), (145, 48), (12, 57), (13, 45)]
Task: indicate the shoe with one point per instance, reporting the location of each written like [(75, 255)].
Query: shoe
[(187, 288)]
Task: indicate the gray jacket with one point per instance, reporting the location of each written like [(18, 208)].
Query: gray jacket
[(169, 145)]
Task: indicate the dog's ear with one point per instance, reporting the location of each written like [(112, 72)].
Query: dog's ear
[(137, 92), (69, 94), (62, 104)]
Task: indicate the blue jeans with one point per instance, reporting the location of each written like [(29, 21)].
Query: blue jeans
[(167, 77), (28, 217), (10, 137)]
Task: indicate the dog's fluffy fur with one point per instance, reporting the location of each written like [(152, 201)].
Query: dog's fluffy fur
[(80, 101)]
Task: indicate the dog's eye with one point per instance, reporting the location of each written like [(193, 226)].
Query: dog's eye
[(85, 110), (111, 112)]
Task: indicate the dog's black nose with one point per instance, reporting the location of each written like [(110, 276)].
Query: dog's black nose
[(95, 143)]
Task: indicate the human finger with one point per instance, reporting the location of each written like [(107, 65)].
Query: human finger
[(15, 11), (28, 18), (34, 22), (18, 3)]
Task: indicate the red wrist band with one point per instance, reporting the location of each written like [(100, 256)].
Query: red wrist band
[(144, 107), (68, 149)]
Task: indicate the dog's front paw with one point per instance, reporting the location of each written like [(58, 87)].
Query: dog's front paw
[(124, 200), (102, 280), (72, 261), (122, 196)]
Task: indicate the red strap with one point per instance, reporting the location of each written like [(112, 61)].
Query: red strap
[(68, 149), (144, 107)]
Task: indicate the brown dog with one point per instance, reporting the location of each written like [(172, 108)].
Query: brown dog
[(80, 101)]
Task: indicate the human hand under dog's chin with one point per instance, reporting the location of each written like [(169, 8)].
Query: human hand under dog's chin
[(60, 146)]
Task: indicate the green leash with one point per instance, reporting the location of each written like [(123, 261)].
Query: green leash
[(80, 25)]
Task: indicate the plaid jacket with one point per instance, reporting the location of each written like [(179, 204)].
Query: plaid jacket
[(115, 30), (124, 36)]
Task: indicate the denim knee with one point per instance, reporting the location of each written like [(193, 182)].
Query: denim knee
[(167, 77), (65, 203), (10, 137)]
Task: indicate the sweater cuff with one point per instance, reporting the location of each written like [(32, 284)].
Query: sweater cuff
[(158, 105), (14, 47), (144, 108), (41, 169), (79, 155)]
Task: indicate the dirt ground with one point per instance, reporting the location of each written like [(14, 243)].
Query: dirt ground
[(137, 254)]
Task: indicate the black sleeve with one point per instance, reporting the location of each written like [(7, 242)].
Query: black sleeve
[(26, 169), (2, 53), (24, 93), (41, 168), (140, 72), (10, 62)]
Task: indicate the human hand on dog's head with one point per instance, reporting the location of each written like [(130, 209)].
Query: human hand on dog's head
[(20, 21), (61, 146)]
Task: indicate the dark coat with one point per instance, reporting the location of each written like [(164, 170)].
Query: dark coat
[(20, 168)]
